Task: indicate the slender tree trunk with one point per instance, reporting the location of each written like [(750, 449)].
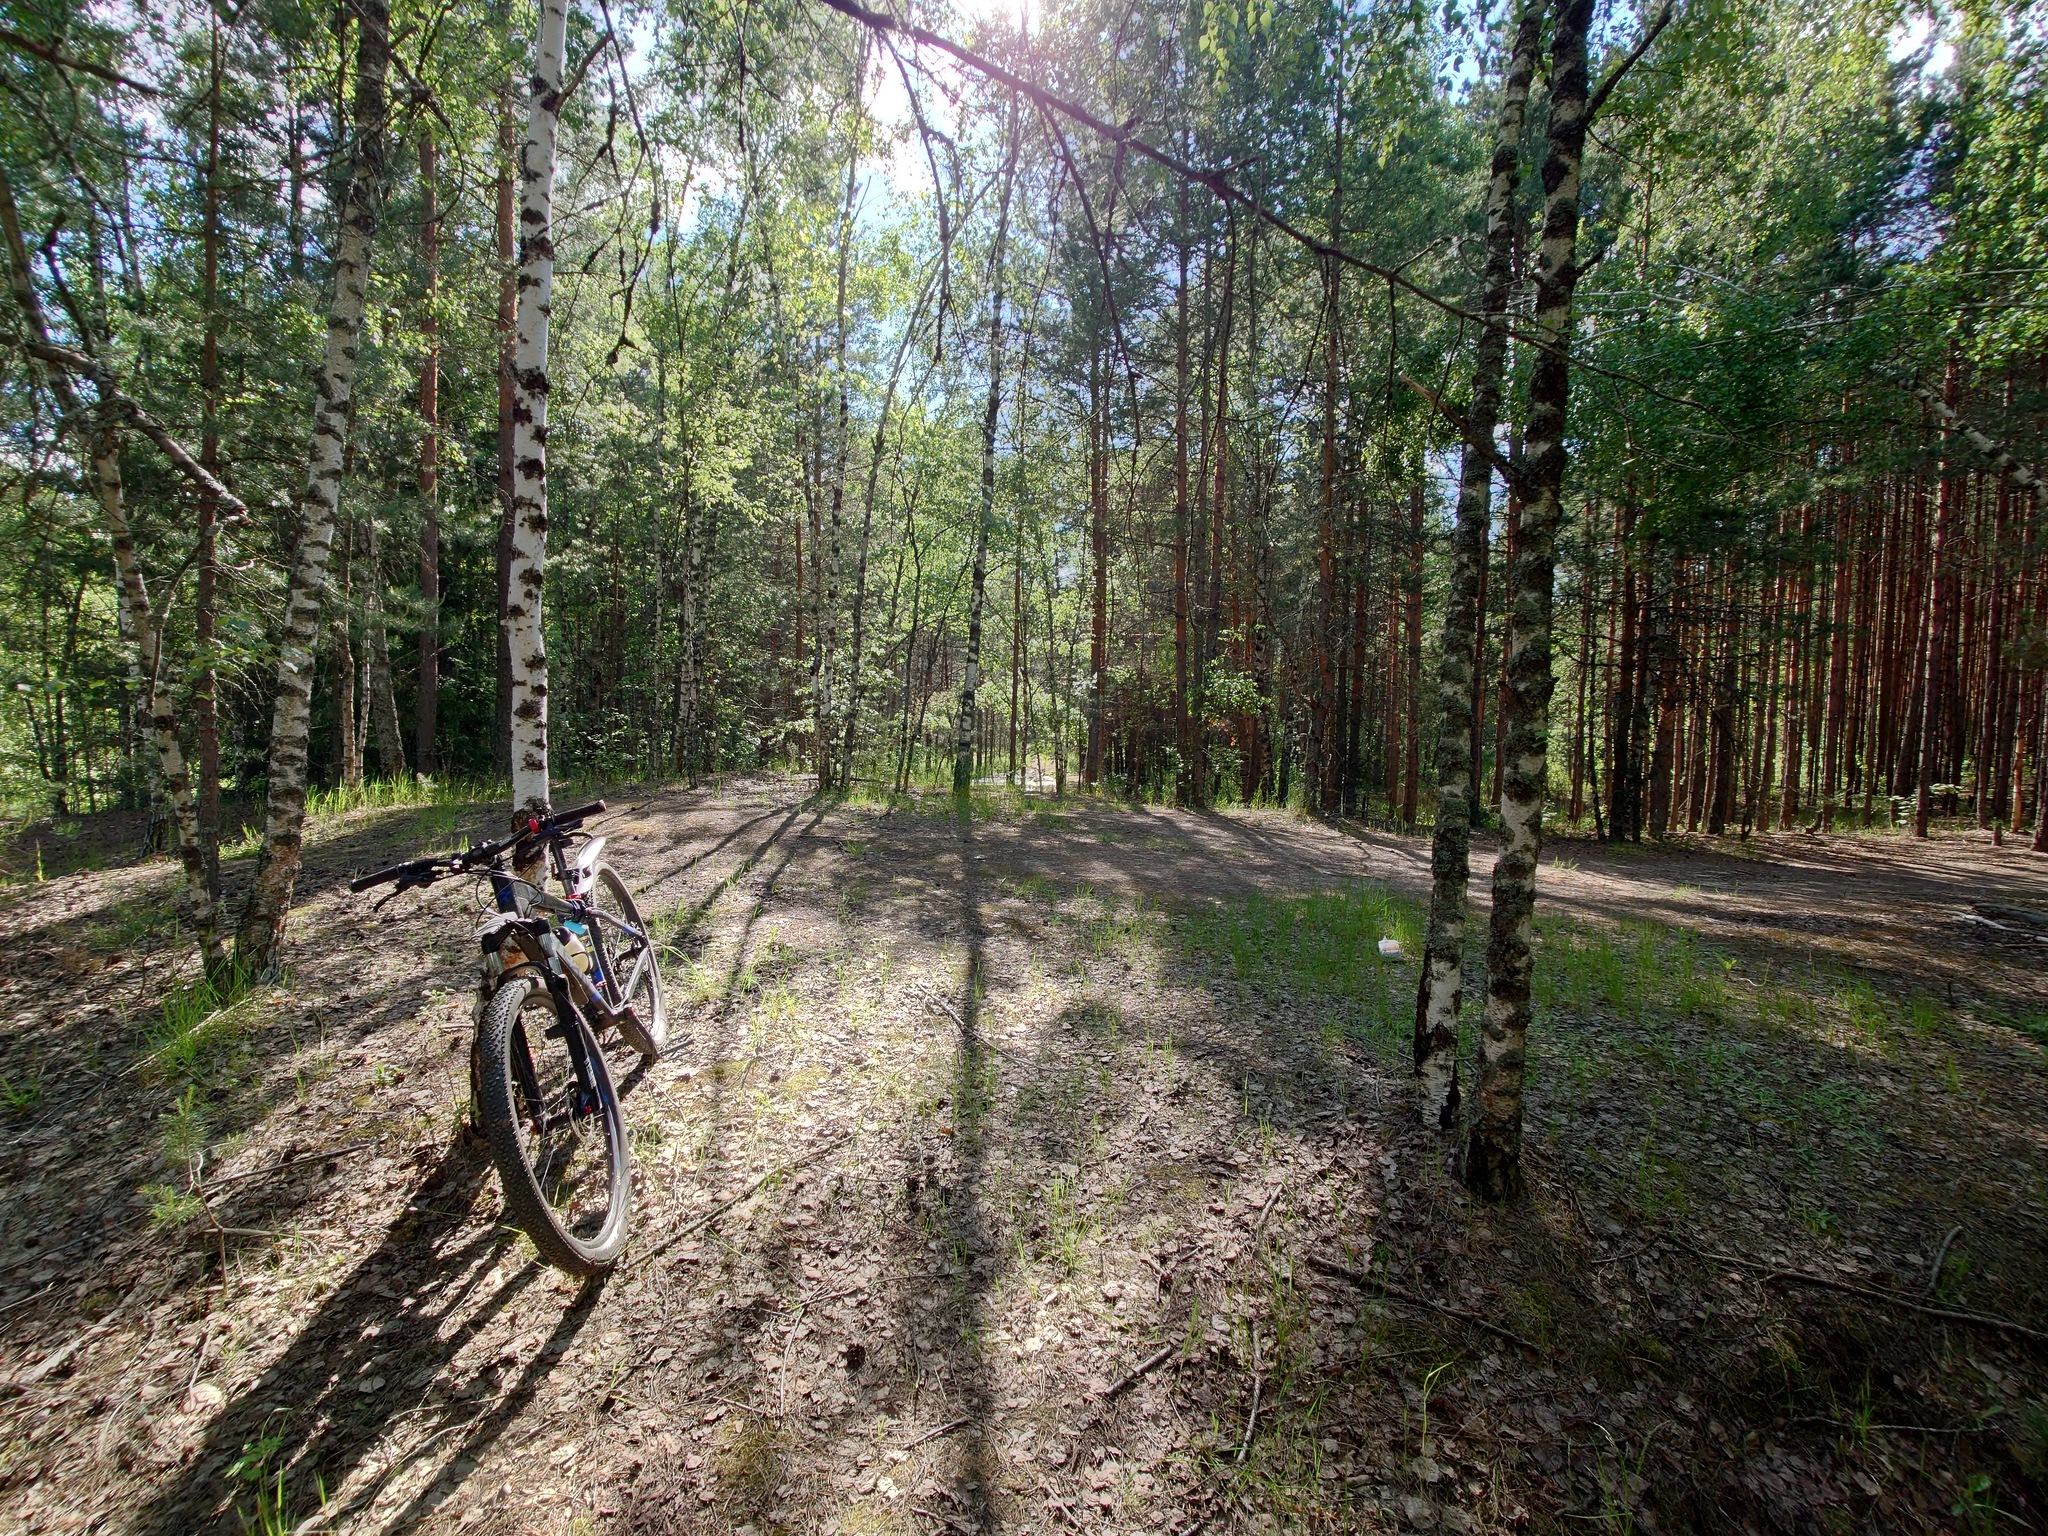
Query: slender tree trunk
[(1838, 661), (1663, 629), (206, 567), (829, 558), (700, 532), (1183, 793), (530, 788), (857, 664), (201, 908), (427, 706), (1510, 540), (348, 742), (263, 919), (1440, 993), (1411, 591), (508, 331), (383, 702), (964, 724), (1098, 542), (1937, 688), (2041, 774), (1324, 727), (1492, 1151), (1219, 498)]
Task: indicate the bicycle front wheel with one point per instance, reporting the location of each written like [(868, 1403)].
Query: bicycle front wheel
[(633, 971), (554, 1127)]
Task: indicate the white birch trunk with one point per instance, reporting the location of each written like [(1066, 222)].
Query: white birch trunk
[(523, 612), (1491, 1160), (263, 919), (141, 623), (1440, 994), (201, 909)]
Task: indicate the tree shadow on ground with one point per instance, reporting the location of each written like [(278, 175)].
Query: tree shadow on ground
[(369, 1365)]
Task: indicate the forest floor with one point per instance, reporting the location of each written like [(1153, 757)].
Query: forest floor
[(1008, 1178)]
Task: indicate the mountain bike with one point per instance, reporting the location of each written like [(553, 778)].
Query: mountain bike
[(559, 973)]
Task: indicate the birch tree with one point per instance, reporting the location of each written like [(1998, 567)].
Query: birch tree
[(964, 726), (1491, 1160), (536, 282), (141, 621), (284, 816), (1440, 993)]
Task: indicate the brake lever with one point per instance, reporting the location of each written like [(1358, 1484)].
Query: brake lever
[(412, 882)]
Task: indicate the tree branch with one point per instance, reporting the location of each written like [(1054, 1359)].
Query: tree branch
[(1504, 467), (1657, 24), (1222, 188), (50, 55), (112, 399), (2001, 458)]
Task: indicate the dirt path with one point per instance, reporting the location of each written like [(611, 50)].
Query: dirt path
[(986, 1190)]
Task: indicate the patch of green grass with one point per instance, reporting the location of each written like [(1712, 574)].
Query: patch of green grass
[(747, 1467), (200, 1034), (20, 1095), (2032, 1444), (1110, 927), (144, 923), (247, 846), (1068, 1229), (1325, 945), (1925, 1014), (269, 1510), (408, 791), (2029, 1021), (1864, 1007)]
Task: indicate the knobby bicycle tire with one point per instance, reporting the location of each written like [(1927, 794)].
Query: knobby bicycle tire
[(508, 1107)]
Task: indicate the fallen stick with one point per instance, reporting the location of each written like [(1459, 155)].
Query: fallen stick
[(1771, 1276), (207, 1189), (934, 1434), (1892, 1298), (1251, 1423), (1897, 1429), (1267, 1209), (725, 1205), (1941, 1258), (56, 1358), (1138, 1372), (1380, 1287)]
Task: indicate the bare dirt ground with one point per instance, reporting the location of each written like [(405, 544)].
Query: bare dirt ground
[(1008, 1180)]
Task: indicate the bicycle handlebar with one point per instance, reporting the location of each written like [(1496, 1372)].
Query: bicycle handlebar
[(395, 872), (535, 828)]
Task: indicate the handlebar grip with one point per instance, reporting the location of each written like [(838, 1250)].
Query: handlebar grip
[(395, 872), (579, 812)]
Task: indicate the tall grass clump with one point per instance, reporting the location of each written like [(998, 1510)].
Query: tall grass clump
[(199, 1029), (405, 792)]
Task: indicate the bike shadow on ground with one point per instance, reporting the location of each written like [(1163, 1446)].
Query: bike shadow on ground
[(370, 1375)]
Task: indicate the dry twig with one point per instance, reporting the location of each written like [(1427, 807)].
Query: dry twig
[(1380, 1287)]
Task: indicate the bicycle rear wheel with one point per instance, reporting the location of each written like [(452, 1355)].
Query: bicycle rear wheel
[(554, 1127), (633, 972)]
